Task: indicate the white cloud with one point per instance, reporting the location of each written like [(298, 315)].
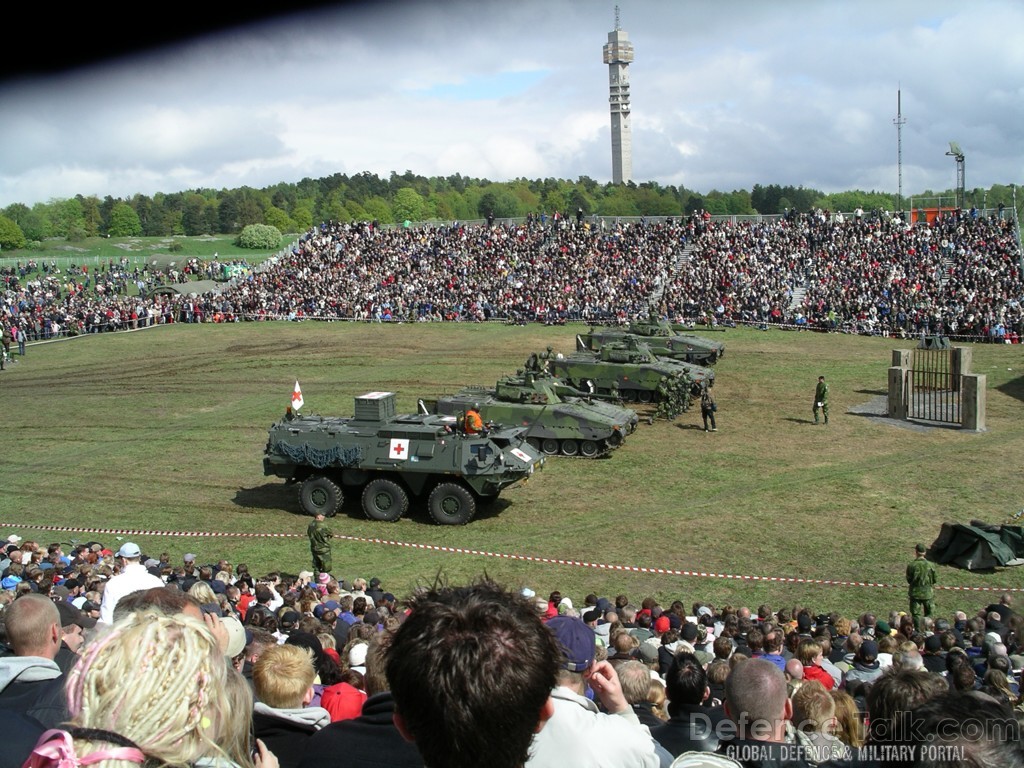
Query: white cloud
[(724, 96)]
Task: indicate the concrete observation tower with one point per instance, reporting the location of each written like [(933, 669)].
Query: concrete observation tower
[(618, 53)]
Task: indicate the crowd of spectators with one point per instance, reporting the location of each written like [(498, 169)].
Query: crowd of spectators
[(315, 650), (957, 274)]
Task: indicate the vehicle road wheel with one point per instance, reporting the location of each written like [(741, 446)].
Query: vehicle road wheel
[(570, 447), (550, 446), (319, 495), (589, 448), (644, 396), (533, 442), (629, 396), (451, 504), (384, 500)]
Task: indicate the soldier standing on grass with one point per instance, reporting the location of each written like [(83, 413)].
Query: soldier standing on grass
[(708, 408), (6, 339), (320, 544), (662, 395), (821, 399), (921, 578)]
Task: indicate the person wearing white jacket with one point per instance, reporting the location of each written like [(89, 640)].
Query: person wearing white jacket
[(579, 733)]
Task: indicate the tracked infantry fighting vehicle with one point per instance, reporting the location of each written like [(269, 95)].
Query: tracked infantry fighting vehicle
[(662, 339), (559, 418), (629, 370), (390, 458)]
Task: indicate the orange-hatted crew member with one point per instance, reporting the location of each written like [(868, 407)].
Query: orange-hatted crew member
[(473, 424)]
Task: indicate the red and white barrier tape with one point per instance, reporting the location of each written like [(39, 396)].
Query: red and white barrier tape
[(506, 556)]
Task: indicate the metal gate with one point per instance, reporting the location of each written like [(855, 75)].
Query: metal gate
[(934, 390)]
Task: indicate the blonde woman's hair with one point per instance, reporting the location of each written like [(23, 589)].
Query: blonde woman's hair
[(848, 728), (203, 592), (157, 680), (236, 729), (657, 697)]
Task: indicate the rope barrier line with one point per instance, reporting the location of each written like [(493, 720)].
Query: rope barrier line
[(508, 556)]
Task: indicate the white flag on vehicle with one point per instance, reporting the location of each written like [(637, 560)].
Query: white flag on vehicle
[(297, 400)]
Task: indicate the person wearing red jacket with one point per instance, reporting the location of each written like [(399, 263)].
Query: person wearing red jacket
[(810, 654)]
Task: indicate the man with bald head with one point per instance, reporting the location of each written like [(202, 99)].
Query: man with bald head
[(30, 680), (758, 708)]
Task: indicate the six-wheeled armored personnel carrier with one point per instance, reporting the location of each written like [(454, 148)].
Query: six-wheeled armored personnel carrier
[(559, 419), (390, 458)]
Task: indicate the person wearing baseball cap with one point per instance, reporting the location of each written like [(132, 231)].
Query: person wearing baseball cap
[(133, 578), (578, 732)]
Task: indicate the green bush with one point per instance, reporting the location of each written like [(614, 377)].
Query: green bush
[(259, 236), (11, 236)]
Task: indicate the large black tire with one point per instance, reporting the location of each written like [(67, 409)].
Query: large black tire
[(384, 500), (451, 504), (645, 396), (319, 495)]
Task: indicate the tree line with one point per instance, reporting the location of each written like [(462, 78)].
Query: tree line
[(409, 197)]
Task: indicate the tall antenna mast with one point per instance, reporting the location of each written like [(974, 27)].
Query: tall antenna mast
[(899, 122), (618, 53)]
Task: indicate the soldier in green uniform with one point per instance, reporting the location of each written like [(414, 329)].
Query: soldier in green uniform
[(921, 578), (683, 384), (545, 356), (320, 544), (821, 399), (662, 395)]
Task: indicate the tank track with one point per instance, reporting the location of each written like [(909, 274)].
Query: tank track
[(604, 449)]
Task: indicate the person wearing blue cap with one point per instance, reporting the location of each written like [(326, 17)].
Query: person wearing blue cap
[(578, 732)]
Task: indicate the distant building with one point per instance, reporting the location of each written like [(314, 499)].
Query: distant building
[(618, 53)]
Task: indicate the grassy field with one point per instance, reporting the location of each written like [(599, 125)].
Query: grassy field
[(156, 251), (163, 431)]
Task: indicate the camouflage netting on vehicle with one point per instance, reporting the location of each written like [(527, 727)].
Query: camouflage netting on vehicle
[(307, 455)]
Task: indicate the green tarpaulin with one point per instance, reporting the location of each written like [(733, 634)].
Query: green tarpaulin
[(978, 546)]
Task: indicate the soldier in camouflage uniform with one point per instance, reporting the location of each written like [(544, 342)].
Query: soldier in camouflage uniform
[(320, 544), (921, 578), (545, 356), (663, 395), (683, 383)]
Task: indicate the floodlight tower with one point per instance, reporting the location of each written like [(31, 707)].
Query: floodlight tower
[(618, 53), (899, 121), (955, 151)]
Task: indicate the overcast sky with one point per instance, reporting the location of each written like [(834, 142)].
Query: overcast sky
[(725, 95)]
